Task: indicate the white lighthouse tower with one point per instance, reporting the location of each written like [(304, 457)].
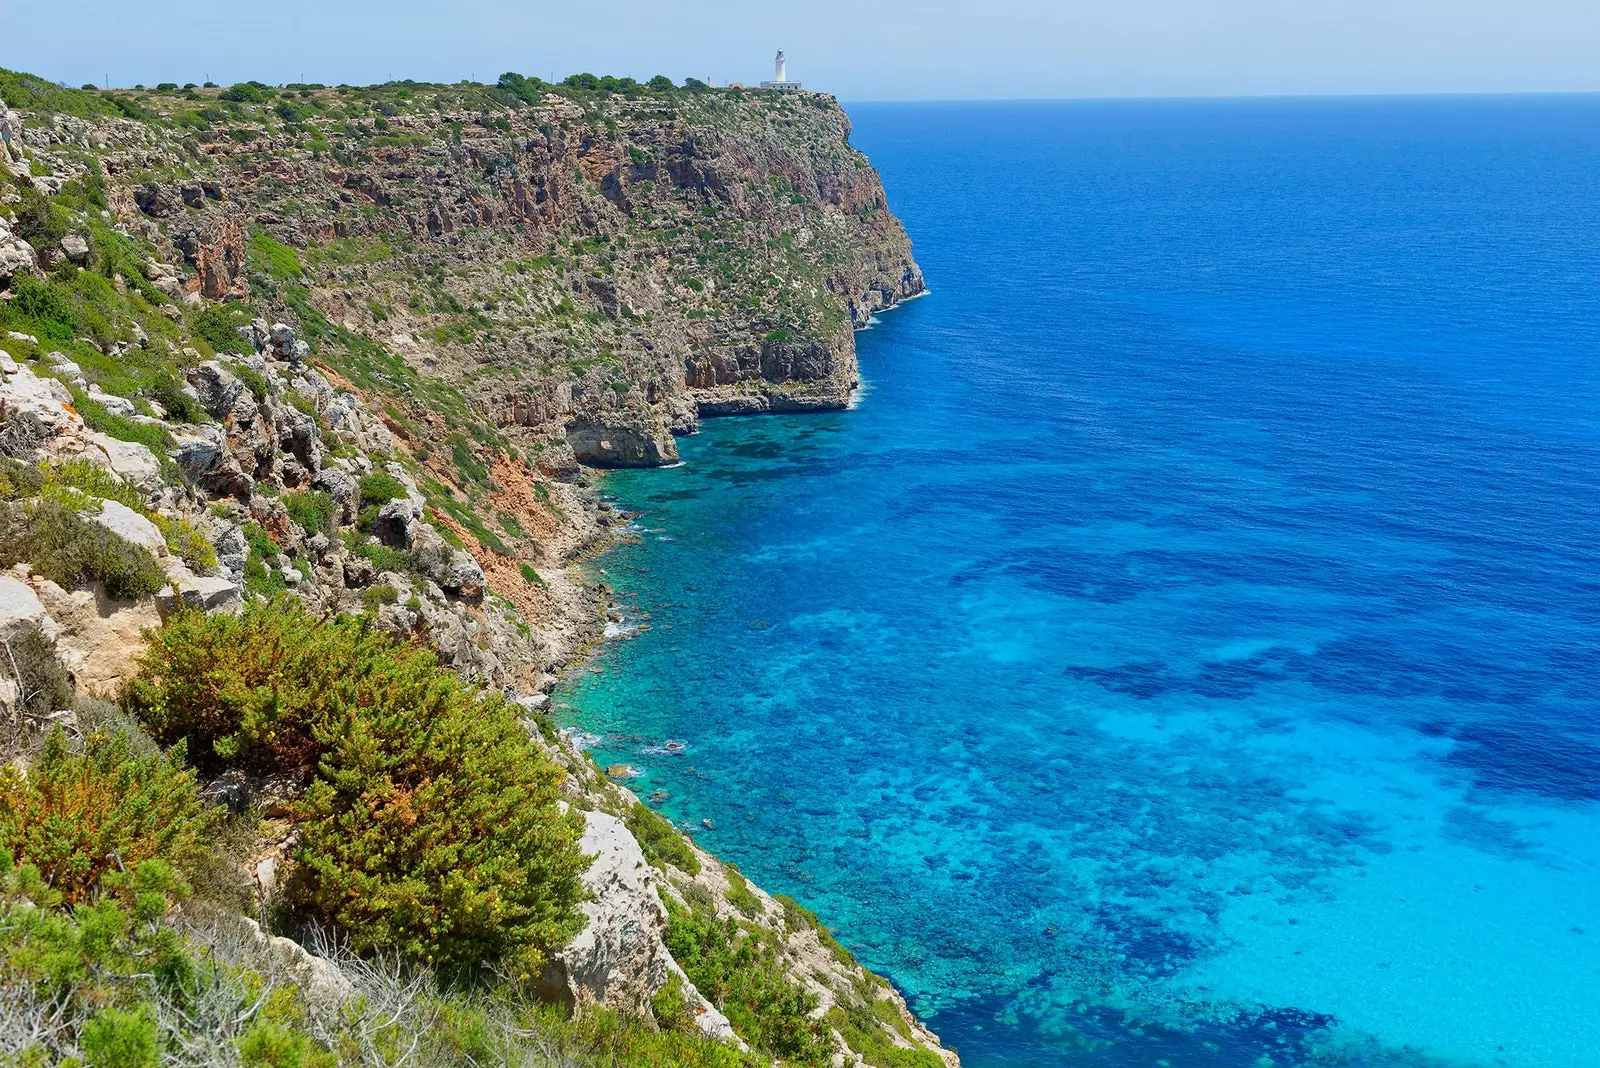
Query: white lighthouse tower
[(780, 72)]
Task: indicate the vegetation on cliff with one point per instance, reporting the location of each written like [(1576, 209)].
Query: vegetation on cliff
[(301, 381)]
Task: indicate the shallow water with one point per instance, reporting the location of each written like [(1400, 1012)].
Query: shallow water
[(1186, 652)]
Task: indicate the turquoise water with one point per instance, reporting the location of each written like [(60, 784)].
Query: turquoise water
[(1186, 652)]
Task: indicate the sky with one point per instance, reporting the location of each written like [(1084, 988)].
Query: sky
[(878, 50)]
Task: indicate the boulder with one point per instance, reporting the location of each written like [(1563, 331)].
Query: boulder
[(76, 247), (211, 593), (16, 255), (616, 960), (455, 571), (20, 608), (66, 368), (111, 402), (398, 521), (47, 398), (129, 525), (217, 390), (135, 463)]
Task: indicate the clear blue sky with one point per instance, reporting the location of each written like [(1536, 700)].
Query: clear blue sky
[(859, 49)]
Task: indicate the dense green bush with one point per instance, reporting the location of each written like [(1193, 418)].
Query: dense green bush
[(430, 826), (380, 488), (38, 221), (218, 325), (738, 969), (77, 816), (58, 543), (313, 510), (660, 840), (188, 544)]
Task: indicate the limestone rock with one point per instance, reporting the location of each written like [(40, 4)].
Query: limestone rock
[(632, 438), (100, 639), (16, 255), (135, 463), (129, 525), (615, 960), (76, 247), (20, 608)]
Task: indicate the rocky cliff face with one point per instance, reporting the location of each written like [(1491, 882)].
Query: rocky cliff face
[(594, 274), (358, 346)]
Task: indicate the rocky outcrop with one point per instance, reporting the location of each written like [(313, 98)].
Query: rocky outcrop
[(635, 437), (465, 303)]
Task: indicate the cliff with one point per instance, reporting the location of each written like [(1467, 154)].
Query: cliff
[(359, 346)]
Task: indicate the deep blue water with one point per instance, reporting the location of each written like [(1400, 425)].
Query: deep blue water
[(1188, 651)]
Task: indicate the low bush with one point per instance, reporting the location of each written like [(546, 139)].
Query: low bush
[(738, 969), (429, 827), (313, 510), (380, 488), (740, 896), (188, 544), (77, 816), (661, 842), (374, 598), (92, 479), (70, 550), (218, 326)]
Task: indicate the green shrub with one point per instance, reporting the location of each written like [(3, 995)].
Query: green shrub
[(258, 542), (273, 258), (178, 404), (661, 842), (430, 826), (862, 1026), (739, 893), (738, 969), (375, 597), (92, 479), (380, 488), (313, 510), (76, 817), (218, 326), (119, 1038), (69, 550), (34, 664), (152, 436), (186, 542), (38, 221), (531, 576), (254, 381)]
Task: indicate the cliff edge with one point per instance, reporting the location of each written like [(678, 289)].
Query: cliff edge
[(360, 347)]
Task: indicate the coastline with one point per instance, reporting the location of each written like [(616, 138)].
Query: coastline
[(816, 958)]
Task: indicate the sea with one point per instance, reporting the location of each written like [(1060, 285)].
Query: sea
[(1186, 652)]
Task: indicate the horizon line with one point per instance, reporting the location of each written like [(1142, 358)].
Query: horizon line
[(1463, 94)]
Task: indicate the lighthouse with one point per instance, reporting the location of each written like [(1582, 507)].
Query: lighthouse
[(780, 75)]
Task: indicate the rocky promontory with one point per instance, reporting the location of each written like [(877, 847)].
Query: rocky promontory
[(361, 348)]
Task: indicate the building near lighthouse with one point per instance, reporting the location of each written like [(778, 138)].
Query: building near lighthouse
[(780, 75)]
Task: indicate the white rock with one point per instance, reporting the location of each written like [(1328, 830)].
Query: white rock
[(136, 464), (20, 607), (66, 368), (110, 402), (129, 525), (76, 248), (47, 398), (615, 960)]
